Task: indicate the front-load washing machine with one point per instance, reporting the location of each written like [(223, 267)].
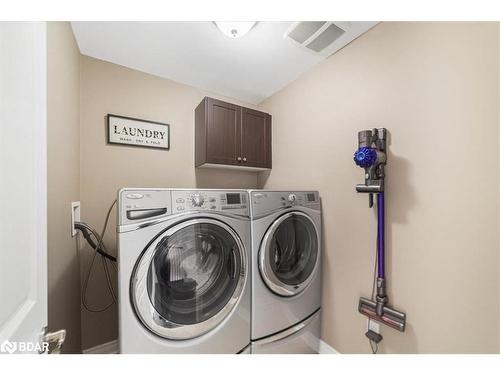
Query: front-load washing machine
[(183, 271), (286, 271)]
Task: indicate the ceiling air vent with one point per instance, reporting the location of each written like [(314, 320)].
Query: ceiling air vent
[(302, 31), (317, 36)]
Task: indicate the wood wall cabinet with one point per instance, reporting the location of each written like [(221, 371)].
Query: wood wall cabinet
[(228, 135)]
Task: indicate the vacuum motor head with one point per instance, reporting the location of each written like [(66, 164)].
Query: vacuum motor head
[(365, 157), (371, 156)]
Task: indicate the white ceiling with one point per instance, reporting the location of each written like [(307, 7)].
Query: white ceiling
[(250, 68)]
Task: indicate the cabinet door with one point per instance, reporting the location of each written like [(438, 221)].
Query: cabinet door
[(256, 138), (223, 132)]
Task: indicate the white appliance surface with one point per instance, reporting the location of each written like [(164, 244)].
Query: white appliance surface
[(302, 338), (147, 217), (276, 309)]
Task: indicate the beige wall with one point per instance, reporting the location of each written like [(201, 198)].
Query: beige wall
[(63, 180), (498, 201), (108, 88), (435, 87)]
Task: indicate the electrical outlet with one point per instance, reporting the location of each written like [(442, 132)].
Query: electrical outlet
[(75, 216), (372, 325)]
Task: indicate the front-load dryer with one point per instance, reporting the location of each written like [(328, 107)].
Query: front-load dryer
[(184, 283), (286, 271)]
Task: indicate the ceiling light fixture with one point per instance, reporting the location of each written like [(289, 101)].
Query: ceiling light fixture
[(235, 29)]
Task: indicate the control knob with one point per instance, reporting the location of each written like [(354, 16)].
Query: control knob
[(292, 198), (197, 200)]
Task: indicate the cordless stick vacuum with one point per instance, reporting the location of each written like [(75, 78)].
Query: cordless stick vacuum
[(371, 155)]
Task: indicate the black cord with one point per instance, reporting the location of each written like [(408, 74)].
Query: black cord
[(99, 248), (86, 231), (374, 350)]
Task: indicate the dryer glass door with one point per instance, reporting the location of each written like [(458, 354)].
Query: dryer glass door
[(189, 279), (289, 254)]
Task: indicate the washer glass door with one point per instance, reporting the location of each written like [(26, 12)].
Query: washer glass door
[(289, 254), (189, 279)]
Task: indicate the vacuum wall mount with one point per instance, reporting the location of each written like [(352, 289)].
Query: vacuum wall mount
[(371, 155)]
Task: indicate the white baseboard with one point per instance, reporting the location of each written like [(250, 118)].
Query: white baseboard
[(110, 347), (324, 348)]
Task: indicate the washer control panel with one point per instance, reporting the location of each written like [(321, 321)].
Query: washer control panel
[(139, 205), (208, 200), (263, 201)]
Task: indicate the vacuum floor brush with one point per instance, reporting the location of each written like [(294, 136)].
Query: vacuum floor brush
[(371, 155)]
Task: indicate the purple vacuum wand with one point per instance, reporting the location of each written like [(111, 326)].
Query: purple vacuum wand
[(371, 155), (381, 295), (380, 236)]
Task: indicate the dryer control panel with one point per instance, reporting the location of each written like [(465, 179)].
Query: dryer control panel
[(235, 202), (264, 201)]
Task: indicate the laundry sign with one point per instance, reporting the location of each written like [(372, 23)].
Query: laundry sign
[(136, 132)]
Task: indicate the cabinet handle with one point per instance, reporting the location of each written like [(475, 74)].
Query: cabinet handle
[(238, 158), (245, 160)]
